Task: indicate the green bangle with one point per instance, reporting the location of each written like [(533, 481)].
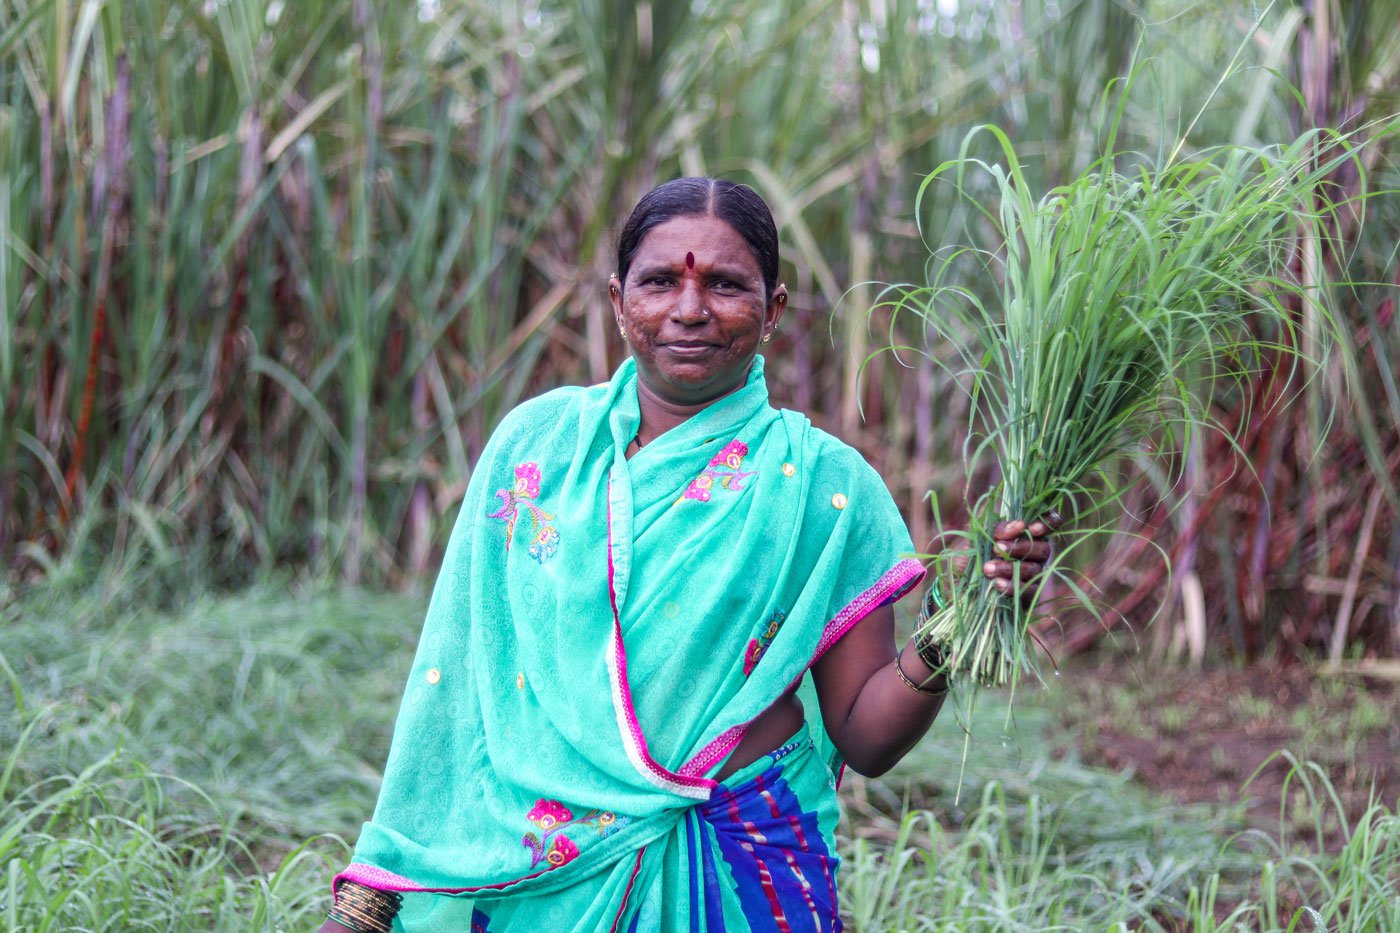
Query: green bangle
[(934, 600)]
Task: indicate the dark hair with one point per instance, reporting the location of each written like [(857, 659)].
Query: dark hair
[(735, 204)]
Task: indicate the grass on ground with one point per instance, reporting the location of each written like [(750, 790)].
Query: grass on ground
[(200, 767)]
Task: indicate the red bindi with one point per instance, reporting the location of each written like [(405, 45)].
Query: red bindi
[(690, 260)]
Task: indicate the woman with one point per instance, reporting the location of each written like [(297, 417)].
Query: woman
[(663, 622)]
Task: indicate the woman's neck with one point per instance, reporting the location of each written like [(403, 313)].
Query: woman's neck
[(660, 415)]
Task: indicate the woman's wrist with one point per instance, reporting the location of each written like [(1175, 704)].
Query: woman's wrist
[(363, 909), (914, 671)]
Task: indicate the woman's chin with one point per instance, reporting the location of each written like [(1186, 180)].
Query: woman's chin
[(692, 385)]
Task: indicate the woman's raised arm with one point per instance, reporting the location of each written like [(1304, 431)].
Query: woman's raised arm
[(878, 702), (871, 714)]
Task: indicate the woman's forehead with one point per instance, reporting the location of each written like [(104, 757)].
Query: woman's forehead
[(695, 240)]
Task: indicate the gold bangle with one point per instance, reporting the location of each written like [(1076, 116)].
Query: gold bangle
[(365, 909), (924, 691)]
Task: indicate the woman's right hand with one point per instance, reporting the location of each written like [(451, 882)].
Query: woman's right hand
[(1025, 544)]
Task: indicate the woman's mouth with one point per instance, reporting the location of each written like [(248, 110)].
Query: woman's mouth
[(689, 348)]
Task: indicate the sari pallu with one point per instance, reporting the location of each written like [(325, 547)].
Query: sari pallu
[(603, 630)]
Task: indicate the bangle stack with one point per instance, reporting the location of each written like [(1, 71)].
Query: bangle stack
[(364, 909), (927, 649), (931, 654)]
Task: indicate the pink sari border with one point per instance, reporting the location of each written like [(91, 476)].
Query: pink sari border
[(722, 745), (891, 587), (635, 727), (623, 696), (627, 894), (898, 580), (372, 876)]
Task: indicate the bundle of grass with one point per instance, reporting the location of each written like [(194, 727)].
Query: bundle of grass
[(1125, 298)]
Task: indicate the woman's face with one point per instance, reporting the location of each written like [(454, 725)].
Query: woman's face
[(693, 309)]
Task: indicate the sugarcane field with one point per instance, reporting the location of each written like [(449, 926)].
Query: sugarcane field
[(884, 465)]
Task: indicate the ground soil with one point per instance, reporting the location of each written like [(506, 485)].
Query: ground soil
[(1214, 736)]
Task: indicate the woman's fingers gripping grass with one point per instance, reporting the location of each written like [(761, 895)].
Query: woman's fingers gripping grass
[(1025, 549)]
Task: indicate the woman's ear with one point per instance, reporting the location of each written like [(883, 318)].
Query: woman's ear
[(777, 304), (615, 298)]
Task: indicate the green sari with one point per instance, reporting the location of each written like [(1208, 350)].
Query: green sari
[(601, 634)]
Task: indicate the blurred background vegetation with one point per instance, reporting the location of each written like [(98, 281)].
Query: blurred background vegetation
[(271, 271)]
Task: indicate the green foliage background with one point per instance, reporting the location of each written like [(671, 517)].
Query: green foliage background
[(270, 271)]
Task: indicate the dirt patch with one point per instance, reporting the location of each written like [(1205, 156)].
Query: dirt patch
[(1214, 736)]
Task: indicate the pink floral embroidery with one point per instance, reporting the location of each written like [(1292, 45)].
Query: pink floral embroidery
[(751, 656), (732, 455), (527, 480), (723, 470), (545, 538), (563, 850), (551, 845), (757, 646), (546, 814)]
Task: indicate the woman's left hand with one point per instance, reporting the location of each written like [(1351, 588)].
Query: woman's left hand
[(1022, 544)]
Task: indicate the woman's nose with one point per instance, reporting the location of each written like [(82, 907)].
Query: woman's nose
[(690, 305)]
